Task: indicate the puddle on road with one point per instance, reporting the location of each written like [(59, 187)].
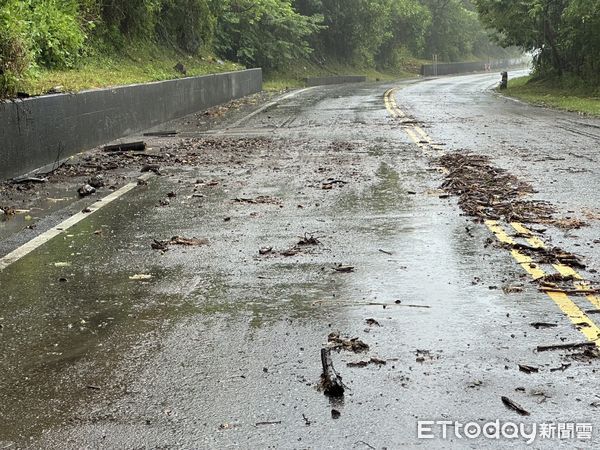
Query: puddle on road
[(280, 297), (386, 205), (49, 344), (50, 199), (66, 307), (387, 195)]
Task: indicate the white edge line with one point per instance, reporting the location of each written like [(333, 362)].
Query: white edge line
[(40, 240)]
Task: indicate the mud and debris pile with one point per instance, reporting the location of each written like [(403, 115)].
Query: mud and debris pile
[(490, 193), (184, 152), (337, 342), (307, 244), (99, 168), (549, 256), (486, 192), (164, 245), (567, 284)]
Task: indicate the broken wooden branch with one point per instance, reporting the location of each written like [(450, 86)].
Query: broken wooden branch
[(161, 133), (515, 406), (28, 179), (405, 305), (126, 147), (538, 325), (528, 369), (545, 348), (331, 381), (274, 422), (331, 182)]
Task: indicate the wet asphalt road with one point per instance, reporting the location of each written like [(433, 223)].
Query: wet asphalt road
[(220, 348)]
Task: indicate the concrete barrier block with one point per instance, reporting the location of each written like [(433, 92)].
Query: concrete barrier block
[(39, 131)]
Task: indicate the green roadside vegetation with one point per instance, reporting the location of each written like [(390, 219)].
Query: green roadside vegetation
[(553, 94), (564, 40), (147, 63), (143, 64), (289, 78), (83, 44)]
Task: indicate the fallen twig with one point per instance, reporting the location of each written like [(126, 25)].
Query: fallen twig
[(275, 422), (161, 133), (528, 369), (373, 360), (398, 304), (178, 240), (538, 325), (575, 346), (344, 269), (514, 406), (126, 147), (27, 179), (562, 368), (331, 381)]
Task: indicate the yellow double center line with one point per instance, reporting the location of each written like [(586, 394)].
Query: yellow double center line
[(581, 320), (412, 129)]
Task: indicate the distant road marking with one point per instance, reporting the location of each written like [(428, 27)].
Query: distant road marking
[(40, 240), (390, 103), (412, 129), (578, 317)]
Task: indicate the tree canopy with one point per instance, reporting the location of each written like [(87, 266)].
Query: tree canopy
[(267, 33), (564, 35)]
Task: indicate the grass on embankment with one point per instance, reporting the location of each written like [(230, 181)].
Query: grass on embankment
[(293, 77), (145, 64), (552, 94)]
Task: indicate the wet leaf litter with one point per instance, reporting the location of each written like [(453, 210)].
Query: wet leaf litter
[(488, 193), (163, 245)]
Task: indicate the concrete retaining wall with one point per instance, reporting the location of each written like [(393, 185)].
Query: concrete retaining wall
[(428, 70), (320, 81), (42, 130)]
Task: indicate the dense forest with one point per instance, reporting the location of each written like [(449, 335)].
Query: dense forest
[(562, 35), (272, 34)]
